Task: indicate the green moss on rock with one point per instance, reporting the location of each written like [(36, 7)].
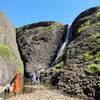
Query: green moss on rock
[(21, 74), (20, 67), (6, 51)]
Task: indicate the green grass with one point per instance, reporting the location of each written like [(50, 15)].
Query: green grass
[(94, 37), (97, 57), (92, 69), (97, 35), (87, 57), (46, 29), (98, 14), (60, 64), (57, 66), (98, 54), (98, 24), (21, 73), (84, 26), (58, 25), (6, 51), (20, 67), (54, 69)]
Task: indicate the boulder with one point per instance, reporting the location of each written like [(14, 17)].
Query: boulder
[(9, 54), (38, 44)]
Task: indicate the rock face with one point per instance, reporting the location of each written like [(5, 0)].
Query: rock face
[(80, 74), (38, 44), (9, 55)]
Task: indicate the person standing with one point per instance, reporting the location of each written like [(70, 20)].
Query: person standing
[(16, 87)]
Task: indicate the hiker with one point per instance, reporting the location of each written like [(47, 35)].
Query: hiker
[(33, 78), (38, 77), (16, 87)]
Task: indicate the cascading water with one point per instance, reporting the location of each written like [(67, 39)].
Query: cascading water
[(66, 42)]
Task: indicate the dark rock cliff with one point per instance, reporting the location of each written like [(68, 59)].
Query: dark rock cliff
[(39, 43), (80, 74)]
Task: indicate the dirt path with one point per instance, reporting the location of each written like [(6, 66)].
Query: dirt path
[(42, 93)]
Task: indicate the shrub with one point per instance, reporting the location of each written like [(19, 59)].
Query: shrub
[(93, 69)]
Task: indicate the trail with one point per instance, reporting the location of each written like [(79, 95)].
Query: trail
[(42, 93)]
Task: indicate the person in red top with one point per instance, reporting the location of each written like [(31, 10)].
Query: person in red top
[(16, 87)]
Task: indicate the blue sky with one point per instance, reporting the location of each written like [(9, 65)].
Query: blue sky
[(22, 12)]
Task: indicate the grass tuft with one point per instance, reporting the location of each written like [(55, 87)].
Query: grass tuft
[(92, 69)]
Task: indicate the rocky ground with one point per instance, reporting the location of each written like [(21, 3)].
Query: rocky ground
[(42, 93)]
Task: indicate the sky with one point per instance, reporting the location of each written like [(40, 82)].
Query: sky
[(21, 12)]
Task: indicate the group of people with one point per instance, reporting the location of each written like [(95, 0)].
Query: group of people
[(36, 77)]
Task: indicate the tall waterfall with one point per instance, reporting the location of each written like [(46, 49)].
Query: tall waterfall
[(66, 42)]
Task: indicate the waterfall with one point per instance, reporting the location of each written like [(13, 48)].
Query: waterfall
[(66, 42)]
